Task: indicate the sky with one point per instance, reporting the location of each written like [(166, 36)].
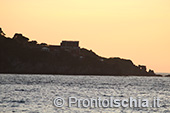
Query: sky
[(132, 29)]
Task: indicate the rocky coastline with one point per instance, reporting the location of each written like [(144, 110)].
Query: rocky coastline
[(19, 55)]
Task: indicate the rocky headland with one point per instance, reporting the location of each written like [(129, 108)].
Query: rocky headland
[(19, 55)]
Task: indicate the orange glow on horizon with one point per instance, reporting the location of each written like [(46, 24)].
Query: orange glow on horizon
[(133, 29)]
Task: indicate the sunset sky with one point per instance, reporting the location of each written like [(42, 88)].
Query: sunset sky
[(133, 29)]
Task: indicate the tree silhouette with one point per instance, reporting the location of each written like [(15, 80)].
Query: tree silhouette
[(20, 38), (1, 32)]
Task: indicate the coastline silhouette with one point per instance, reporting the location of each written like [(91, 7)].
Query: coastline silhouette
[(19, 55)]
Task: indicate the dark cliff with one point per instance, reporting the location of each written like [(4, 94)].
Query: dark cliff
[(19, 55)]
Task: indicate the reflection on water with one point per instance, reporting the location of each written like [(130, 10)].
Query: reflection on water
[(35, 93)]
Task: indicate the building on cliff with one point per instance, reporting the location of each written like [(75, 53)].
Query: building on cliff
[(71, 46)]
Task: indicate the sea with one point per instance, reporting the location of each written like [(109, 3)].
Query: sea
[(34, 93)]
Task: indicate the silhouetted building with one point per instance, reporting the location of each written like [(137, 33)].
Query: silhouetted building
[(71, 46)]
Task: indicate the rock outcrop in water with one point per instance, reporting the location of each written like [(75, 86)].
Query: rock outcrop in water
[(19, 55), (167, 75)]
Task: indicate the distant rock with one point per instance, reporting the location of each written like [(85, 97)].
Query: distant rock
[(167, 75)]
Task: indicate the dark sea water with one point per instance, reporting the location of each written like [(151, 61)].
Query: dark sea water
[(35, 93)]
